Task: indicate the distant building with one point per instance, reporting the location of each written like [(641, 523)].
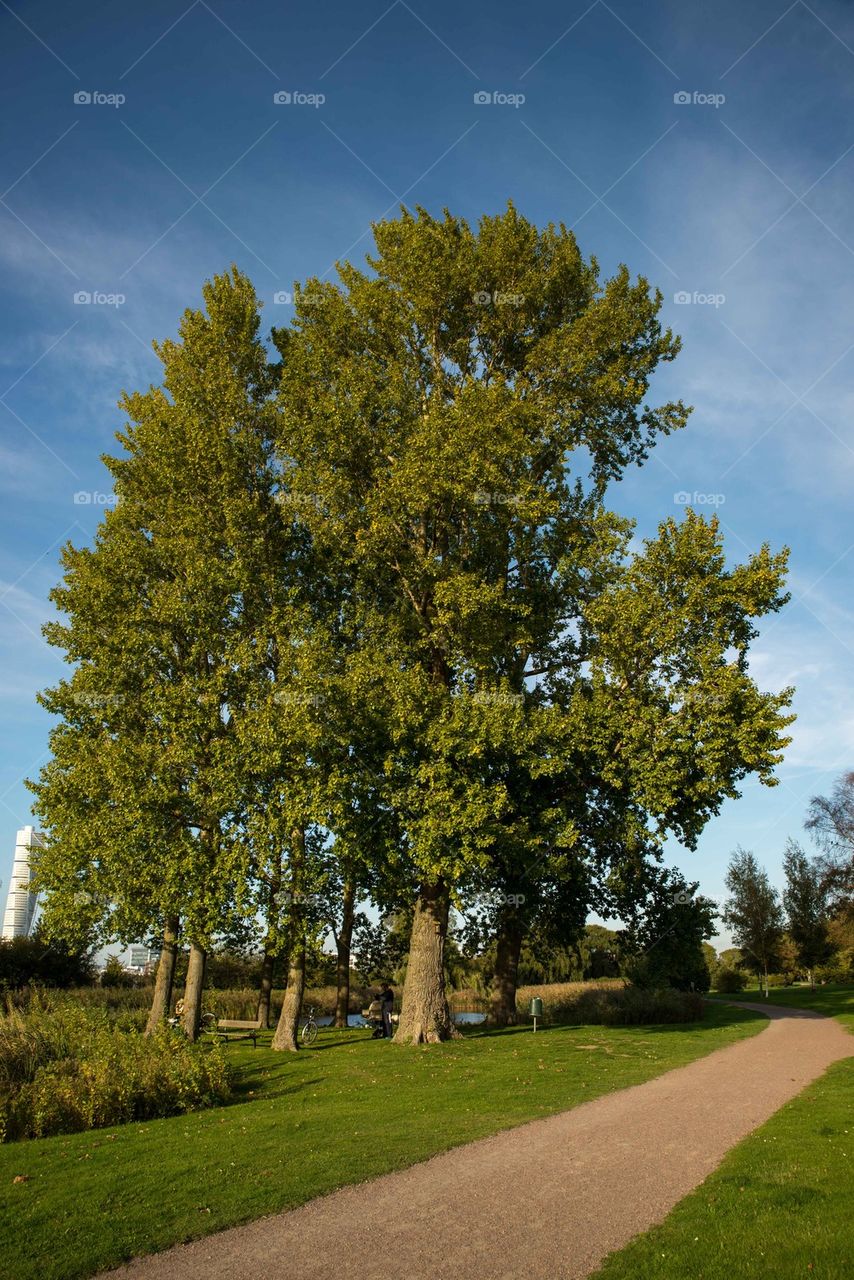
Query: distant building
[(143, 959), (21, 902)]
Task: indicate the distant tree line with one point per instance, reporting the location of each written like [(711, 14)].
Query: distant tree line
[(808, 930), (50, 963)]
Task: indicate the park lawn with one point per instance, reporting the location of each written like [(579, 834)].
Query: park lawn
[(348, 1109), (833, 1000), (779, 1205)]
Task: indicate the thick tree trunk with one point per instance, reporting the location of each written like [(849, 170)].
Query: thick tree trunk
[(505, 978), (424, 1017), (193, 988), (343, 942), (286, 1035), (162, 998), (265, 991)]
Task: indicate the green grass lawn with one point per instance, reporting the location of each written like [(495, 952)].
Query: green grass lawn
[(779, 1206), (835, 1001), (347, 1109)]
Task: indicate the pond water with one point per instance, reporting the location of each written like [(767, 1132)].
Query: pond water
[(353, 1020), (356, 1019)]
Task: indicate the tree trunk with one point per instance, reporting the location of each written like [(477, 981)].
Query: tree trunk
[(505, 978), (342, 945), (285, 1035), (424, 1017), (265, 991), (766, 981), (287, 1029), (162, 998), (193, 988), (262, 1013)]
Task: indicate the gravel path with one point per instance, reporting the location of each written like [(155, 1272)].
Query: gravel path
[(544, 1201)]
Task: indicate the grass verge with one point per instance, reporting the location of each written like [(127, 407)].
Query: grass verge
[(346, 1110), (832, 1000), (779, 1206)]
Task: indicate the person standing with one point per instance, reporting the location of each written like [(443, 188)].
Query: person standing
[(387, 1001)]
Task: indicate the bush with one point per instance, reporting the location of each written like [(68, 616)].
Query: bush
[(32, 959), (611, 1003), (683, 969), (66, 1068), (113, 975), (729, 981), (778, 980), (839, 968)]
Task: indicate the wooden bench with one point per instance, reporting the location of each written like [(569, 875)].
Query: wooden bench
[(237, 1029)]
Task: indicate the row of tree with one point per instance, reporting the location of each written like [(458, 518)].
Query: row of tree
[(35, 961), (813, 917), (361, 626)]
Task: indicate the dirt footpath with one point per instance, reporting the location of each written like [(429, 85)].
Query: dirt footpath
[(545, 1201)]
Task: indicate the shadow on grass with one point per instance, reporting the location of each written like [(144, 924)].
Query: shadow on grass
[(521, 1029), (721, 1018), (341, 1038), (337, 1044), (256, 1087), (276, 1091)]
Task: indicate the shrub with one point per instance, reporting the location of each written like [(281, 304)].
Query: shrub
[(611, 1002), (683, 968), (728, 980), (840, 968), (32, 959), (778, 980), (113, 975), (27, 1042), (68, 1068)]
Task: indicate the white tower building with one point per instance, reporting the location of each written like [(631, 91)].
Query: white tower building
[(21, 903)]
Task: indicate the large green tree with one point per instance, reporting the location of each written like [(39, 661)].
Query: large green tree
[(392, 608), (664, 941), (428, 431), (451, 418), (805, 899), (165, 623), (754, 914), (831, 823)]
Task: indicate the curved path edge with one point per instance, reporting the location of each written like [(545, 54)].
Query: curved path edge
[(547, 1200)]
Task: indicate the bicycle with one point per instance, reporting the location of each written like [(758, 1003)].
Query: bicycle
[(308, 1035), (207, 1021)]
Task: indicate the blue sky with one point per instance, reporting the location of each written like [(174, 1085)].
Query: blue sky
[(736, 202)]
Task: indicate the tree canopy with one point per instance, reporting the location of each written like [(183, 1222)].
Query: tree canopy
[(363, 618)]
